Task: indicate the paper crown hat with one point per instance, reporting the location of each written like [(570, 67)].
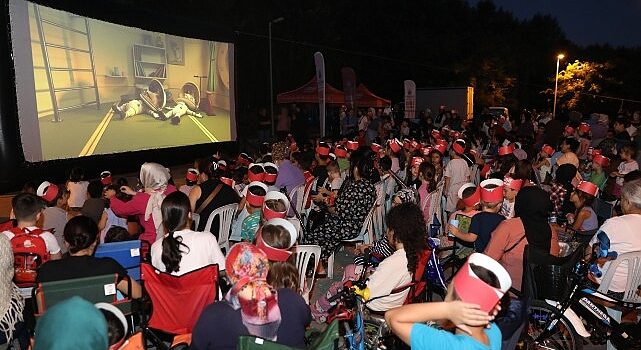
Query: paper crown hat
[(269, 213), (471, 289), (441, 147), (436, 134), (588, 187), (222, 165), (505, 150), (227, 181), (459, 146), (584, 128), (352, 145), (547, 149), (491, 195), (255, 200), (105, 177), (340, 151), (47, 191), (512, 183), (271, 172), (594, 153), (416, 161), (376, 147), (323, 149), (414, 144), (244, 159), (192, 174), (277, 254), (472, 200), (485, 170), (395, 145), (426, 151), (407, 144), (256, 172), (569, 130), (601, 160)]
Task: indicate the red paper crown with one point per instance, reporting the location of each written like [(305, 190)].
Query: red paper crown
[(47, 191), (271, 172), (505, 150), (472, 200), (192, 174), (256, 175), (459, 146), (485, 170), (244, 159), (227, 181), (277, 254), (323, 149), (426, 151), (352, 145), (569, 130), (395, 145), (416, 161), (436, 134), (492, 195), (376, 147), (584, 128), (105, 178), (514, 184), (407, 144), (268, 213), (253, 199), (596, 152), (414, 144), (601, 160), (588, 187), (547, 149), (471, 289), (340, 151), (441, 147)]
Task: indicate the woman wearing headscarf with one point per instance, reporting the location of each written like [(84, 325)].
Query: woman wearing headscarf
[(251, 307), (528, 227), (11, 302), (146, 203)]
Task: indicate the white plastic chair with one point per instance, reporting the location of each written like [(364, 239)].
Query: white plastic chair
[(366, 236), (633, 262), (195, 218), (304, 213), (296, 197), (303, 254), (226, 214)]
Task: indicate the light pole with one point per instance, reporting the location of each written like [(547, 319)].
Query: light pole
[(271, 78), (559, 57)]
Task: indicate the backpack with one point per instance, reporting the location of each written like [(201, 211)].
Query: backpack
[(29, 252)]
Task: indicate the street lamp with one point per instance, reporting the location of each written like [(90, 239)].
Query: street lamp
[(559, 57), (271, 78)]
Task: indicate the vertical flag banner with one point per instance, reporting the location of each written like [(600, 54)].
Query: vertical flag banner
[(410, 99), (349, 85), (319, 61)]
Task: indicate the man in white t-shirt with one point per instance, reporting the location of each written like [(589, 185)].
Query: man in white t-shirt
[(28, 208), (620, 235)]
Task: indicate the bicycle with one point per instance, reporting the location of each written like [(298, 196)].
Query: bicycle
[(563, 324)]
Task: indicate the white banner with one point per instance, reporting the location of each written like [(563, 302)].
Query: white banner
[(410, 99), (319, 61)]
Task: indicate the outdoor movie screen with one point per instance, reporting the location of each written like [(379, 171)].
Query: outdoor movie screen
[(87, 87)]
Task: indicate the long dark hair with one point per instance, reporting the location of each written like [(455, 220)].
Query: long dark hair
[(80, 233), (408, 224), (175, 210), (363, 160)]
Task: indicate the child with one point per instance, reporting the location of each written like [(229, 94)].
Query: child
[(584, 218), (628, 164), (94, 206), (271, 173), (117, 234), (437, 160), (335, 183), (543, 164), (77, 188), (485, 222), (28, 209), (426, 173), (254, 200), (191, 179), (456, 173), (510, 190), (470, 197), (584, 141), (55, 215), (598, 175), (469, 304)]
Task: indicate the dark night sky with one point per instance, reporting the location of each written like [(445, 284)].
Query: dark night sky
[(585, 22)]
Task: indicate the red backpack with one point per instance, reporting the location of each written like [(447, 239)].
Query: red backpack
[(29, 252)]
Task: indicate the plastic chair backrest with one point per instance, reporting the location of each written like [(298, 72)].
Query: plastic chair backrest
[(179, 300), (326, 341), (195, 219), (126, 253), (367, 231), (296, 197), (95, 289), (303, 254), (226, 214), (631, 261)]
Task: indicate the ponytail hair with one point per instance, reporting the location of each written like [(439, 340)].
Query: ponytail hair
[(175, 210)]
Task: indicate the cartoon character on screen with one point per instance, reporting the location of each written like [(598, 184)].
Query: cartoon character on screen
[(151, 101), (186, 104)]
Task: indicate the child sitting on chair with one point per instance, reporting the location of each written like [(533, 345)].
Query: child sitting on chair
[(470, 305)]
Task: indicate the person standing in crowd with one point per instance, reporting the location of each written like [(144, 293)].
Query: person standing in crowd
[(284, 123), (456, 173)]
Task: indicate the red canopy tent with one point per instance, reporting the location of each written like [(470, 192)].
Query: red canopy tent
[(308, 93), (365, 98)]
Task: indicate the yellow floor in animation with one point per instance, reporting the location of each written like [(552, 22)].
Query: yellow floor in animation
[(91, 131)]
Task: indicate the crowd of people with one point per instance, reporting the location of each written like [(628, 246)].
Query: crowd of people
[(495, 184)]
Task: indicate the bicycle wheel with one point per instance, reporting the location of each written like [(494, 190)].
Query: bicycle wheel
[(562, 337)]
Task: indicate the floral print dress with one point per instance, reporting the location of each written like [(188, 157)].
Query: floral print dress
[(353, 203)]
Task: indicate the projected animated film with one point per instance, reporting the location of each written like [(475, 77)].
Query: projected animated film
[(105, 88)]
